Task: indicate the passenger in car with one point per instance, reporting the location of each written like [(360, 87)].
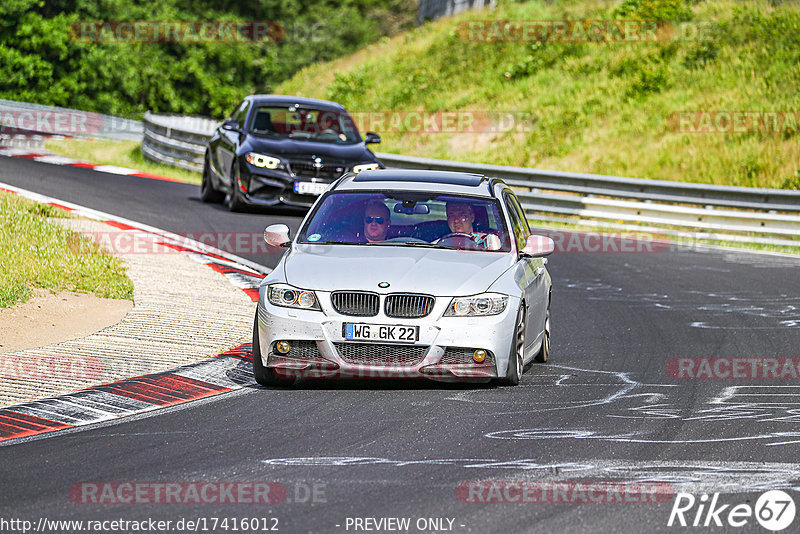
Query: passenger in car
[(376, 222)]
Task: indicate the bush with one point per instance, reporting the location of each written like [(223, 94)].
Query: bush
[(41, 62)]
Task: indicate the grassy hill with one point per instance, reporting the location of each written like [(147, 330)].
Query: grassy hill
[(598, 107)]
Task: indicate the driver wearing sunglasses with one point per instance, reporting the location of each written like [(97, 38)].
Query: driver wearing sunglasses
[(376, 222)]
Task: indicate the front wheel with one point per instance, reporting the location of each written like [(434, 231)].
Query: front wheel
[(264, 375), (234, 198), (515, 358), (208, 193)]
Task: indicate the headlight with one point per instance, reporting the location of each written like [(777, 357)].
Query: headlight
[(365, 167), (292, 297), (477, 306), (260, 160)]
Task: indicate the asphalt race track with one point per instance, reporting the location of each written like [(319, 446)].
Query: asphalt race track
[(607, 408)]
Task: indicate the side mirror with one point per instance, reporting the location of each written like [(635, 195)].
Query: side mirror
[(277, 235), (231, 125), (372, 137), (538, 246)]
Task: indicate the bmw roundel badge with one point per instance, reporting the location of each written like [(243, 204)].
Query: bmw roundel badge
[(383, 285)]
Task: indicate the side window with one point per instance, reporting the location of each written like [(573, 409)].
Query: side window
[(516, 223), (241, 114), (526, 230)]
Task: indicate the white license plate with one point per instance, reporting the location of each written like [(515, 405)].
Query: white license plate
[(381, 332), (309, 188)]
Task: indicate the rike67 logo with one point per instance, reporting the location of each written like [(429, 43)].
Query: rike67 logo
[(774, 510)]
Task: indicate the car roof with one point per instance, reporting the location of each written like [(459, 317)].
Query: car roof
[(301, 100), (418, 180)]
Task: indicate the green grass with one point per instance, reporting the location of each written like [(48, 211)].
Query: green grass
[(120, 153), (606, 108), (37, 253)]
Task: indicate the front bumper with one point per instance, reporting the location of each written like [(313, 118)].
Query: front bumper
[(443, 352), (264, 187)]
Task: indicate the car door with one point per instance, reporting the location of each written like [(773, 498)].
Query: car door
[(532, 280), (229, 142)]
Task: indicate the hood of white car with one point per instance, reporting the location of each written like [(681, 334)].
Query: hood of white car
[(406, 269)]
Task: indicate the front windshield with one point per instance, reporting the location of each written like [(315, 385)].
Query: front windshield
[(408, 219), (294, 122)]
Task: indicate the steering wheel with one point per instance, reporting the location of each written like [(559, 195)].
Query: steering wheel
[(456, 234), (460, 240)]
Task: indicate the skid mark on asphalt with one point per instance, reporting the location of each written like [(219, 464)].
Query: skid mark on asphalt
[(619, 385), (687, 476), (714, 310), (618, 396)]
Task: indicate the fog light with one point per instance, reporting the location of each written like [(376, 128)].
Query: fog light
[(479, 355), (283, 347)]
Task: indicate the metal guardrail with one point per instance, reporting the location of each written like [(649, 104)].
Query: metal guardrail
[(710, 209), (177, 140), (433, 9), (717, 212), (24, 118)]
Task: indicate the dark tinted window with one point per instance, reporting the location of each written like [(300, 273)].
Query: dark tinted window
[(410, 218), (328, 126)]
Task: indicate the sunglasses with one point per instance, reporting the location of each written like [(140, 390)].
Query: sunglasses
[(379, 220)]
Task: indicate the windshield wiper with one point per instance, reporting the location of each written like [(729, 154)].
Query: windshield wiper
[(333, 242), (419, 244)]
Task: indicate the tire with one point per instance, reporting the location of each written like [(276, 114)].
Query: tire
[(234, 199), (515, 358), (264, 375), (208, 193), (544, 353)]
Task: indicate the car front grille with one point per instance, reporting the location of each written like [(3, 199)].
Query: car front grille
[(357, 303), (302, 349), (408, 305), (381, 355), (306, 169), (463, 356)]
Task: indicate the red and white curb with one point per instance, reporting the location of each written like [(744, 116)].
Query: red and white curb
[(226, 372), (55, 159)]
